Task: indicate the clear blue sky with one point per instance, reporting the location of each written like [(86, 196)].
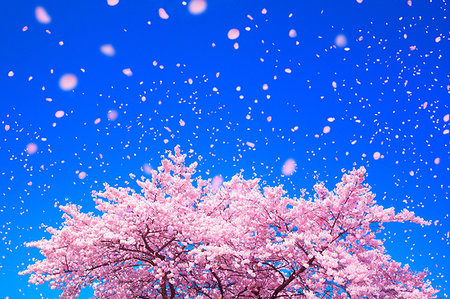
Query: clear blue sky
[(387, 90)]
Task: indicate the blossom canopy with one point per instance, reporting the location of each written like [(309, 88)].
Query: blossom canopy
[(181, 238)]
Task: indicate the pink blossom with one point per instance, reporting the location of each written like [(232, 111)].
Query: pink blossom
[(178, 238)]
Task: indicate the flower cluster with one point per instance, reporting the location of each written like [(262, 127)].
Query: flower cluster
[(181, 238)]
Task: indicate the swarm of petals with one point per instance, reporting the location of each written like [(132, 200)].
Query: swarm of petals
[(180, 237)]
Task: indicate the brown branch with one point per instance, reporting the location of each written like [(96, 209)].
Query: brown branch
[(241, 292), (219, 283), (165, 245), (172, 291), (293, 275), (147, 246), (163, 289), (275, 268)]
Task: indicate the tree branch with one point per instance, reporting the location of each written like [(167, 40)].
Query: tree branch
[(294, 274), (219, 283)]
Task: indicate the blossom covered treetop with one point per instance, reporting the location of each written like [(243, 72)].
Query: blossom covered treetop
[(181, 238)]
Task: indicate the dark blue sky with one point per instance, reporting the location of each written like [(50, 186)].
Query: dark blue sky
[(386, 91)]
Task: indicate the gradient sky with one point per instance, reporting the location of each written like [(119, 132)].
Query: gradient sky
[(358, 84)]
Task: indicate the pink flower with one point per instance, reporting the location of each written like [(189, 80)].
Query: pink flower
[(180, 237)]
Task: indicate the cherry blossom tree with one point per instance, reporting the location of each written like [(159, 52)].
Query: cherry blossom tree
[(181, 238)]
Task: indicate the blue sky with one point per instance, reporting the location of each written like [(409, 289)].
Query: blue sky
[(385, 90)]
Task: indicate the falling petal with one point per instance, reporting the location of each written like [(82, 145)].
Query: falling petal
[(127, 72), (108, 50), (217, 182), (233, 34), (197, 7), (112, 2), (163, 14), (340, 41), (147, 168), (31, 148), (59, 114), (42, 15), (289, 167), (112, 115), (68, 82), (292, 33)]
